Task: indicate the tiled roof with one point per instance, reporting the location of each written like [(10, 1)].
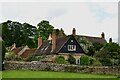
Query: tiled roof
[(46, 47), (28, 52), (94, 39), (17, 50)]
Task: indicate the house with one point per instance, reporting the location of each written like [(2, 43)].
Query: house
[(73, 44), (23, 51)]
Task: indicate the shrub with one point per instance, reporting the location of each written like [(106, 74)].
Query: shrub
[(92, 60), (31, 58), (106, 62), (60, 60), (96, 63), (71, 59), (10, 56), (84, 60)]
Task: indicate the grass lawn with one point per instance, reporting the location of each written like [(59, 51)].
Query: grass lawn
[(48, 74)]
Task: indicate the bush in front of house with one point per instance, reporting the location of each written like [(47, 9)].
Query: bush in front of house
[(88, 60), (60, 60), (10, 56), (34, 58), (84, 60), (96, 63), (71, 59)]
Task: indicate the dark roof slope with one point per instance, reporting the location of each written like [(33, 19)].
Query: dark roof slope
[(28, 52), (60, 42), (46, 47), (17, 50)]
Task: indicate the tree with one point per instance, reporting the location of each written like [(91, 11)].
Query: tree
[(109, 54), (3, 50), (112, 47), (44, 29), (12, 33), (97, 46), (91, 51), (21, 34), (94, 48), (29, 33)]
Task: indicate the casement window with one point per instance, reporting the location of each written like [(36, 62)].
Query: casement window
[(71, 47)]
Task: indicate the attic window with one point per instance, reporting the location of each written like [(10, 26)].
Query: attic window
[(71, 40), (71, 47)]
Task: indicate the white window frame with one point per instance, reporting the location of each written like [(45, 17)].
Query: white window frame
[(71, 47)]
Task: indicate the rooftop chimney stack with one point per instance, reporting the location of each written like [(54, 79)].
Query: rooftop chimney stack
[(73, 31), (53, 40), (103, 35), (61, 32), (110, 40), (39, 41)]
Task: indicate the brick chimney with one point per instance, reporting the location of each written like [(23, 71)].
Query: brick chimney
[(73, 31), (39, 41), (103, 35), (61, 32), (53, 41)]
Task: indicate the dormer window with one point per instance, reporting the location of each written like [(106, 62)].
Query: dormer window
[(71, 47)]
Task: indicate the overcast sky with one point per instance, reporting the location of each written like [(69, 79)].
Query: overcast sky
[(89, 18)]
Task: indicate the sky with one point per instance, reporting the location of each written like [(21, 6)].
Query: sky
[(88, 18)]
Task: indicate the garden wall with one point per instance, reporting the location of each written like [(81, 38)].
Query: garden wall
[(13, 65)]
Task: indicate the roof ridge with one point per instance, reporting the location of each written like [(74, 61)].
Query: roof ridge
[(90, 36)]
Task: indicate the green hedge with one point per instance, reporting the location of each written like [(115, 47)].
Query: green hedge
[(88, 60), (60, 60)]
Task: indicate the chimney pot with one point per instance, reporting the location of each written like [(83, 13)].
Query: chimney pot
[(110, 40), (73, 31), (103, 35)]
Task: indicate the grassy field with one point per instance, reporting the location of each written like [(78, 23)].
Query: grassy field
[(47, 74)]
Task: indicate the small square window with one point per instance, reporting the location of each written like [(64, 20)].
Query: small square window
[(71, 40)]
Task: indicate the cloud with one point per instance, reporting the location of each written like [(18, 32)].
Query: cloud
[(101, 13), (54, 13), (88, 18)]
